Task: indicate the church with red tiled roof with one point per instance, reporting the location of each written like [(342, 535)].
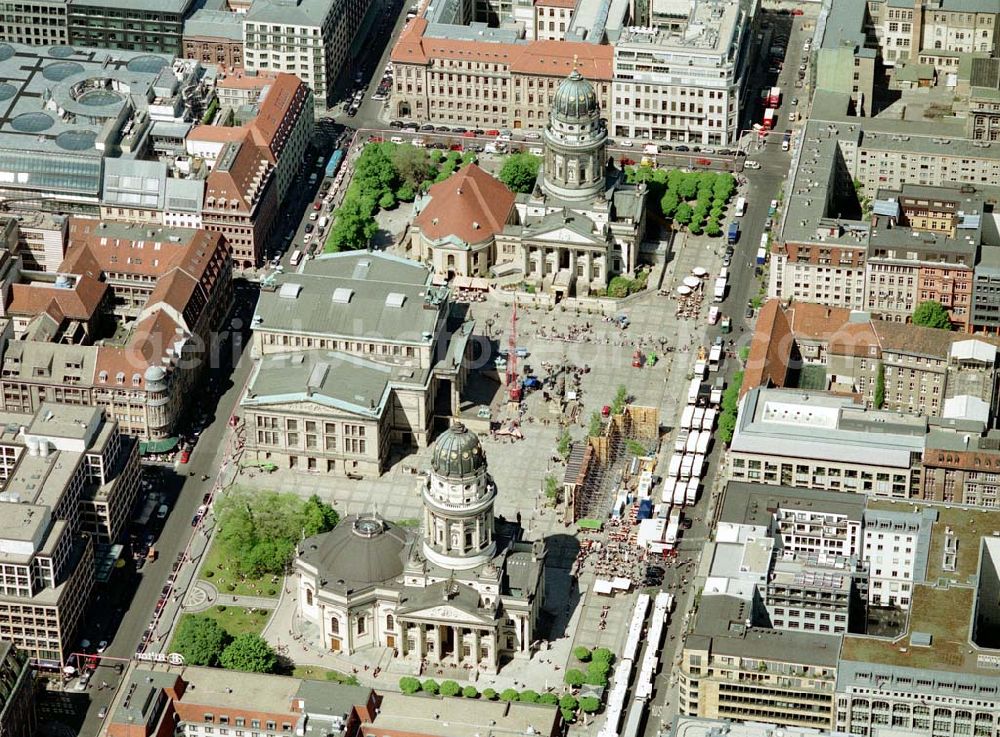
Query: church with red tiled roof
[(459, 218)]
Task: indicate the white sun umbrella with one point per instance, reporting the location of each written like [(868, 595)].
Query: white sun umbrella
[(699, 271), (69, 670), (692, 281), (682, 289)]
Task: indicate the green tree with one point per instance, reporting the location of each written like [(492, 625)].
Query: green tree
[(568, 715), (509, 694), (489, 694), (450, 688), (431, 686), (412, 165), (597, 673), (406, 193), (620, 400), (695, 228), (880, 386), (201, 640), (387, 201), (258, 530), (470, 692), (548, 698), (552, 489), (564, 444), (409, 684), (353, 227), (596, 425), (581, 653), (519, 172), (603, 655), (688, 186), (528, 696), (568, 702), (249, 652), (669, 203), (713, 229), (932, 314), (589, 704), (683, 214), (265, 556), (318, 516), (574, 677)]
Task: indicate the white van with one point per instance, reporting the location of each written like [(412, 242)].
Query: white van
[(396, 139)]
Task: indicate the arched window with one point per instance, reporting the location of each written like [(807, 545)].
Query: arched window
[(309, 598), (334, 626), (389, 622)]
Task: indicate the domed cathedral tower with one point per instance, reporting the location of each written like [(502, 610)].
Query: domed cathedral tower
[(458, 503), (575, 143)]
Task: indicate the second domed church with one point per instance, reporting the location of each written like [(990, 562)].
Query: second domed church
[(580, 226), (463, 593)]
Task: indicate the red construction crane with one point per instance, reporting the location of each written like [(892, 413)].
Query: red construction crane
[(513, 380)]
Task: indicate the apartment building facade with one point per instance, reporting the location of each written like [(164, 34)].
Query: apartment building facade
[(17, 693), (141, 25), (35, 22), (43, 617), (214, 37), (730, 669), (241, 199), (820, 441), (934, 31), (684, 82), (173, 285), (308, 38), (496, 82)]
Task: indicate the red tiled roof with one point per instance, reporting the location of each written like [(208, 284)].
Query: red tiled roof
[(78, 303), (816, 321), (470, 205), (550, 58), (92, 251), (238, 79), (556, 3), (216, 133), (770, 349), (282, 97), (236, 182)]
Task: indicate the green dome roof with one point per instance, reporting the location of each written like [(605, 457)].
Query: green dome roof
[(575, 99), (458, 453)]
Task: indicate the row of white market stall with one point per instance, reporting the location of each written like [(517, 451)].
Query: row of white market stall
[(617, 702)]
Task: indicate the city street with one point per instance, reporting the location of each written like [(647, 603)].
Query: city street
[(222, 388)]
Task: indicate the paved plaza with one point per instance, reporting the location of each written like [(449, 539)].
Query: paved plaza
[(553, 337)]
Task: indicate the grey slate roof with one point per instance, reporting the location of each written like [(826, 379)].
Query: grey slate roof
[(370, 278), (330, 378), (358, 552)]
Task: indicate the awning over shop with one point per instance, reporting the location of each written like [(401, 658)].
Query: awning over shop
[(471, 282), (157, 446)]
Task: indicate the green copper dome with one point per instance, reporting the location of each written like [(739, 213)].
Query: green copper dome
[(575, 99), (457, 453)]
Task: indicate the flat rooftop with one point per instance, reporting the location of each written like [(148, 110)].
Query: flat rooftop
[(942, 606), (446, 717), (822, 426), (756, 504), (720, 626)]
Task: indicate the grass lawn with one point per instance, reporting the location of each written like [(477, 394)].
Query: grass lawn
[(235, 620), (223, 576), (315, 673)]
